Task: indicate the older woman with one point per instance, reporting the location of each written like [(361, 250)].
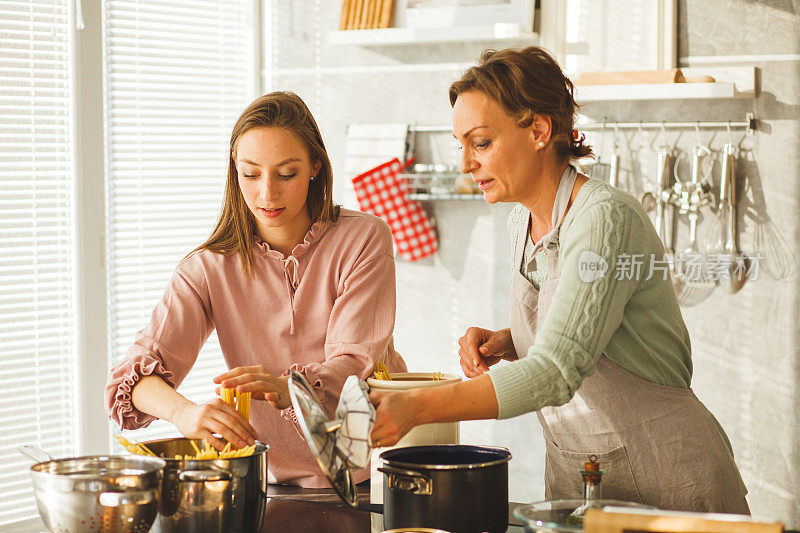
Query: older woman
[(603, 357)]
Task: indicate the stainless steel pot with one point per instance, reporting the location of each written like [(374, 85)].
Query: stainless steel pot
[(105, 494), (452, 487), (210, 495)]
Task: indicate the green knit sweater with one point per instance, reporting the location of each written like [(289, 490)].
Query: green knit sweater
[(634, 319)]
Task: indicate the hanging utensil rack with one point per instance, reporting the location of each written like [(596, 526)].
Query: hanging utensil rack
[(440, 185), (748, 124)]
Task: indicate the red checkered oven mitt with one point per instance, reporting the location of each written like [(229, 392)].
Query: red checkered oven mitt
[(382, 193)]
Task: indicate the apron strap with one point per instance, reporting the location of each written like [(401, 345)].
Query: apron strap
[(521, 239), (563, 194)]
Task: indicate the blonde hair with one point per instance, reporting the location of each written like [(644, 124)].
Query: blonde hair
[(236, 225), (527, 82)]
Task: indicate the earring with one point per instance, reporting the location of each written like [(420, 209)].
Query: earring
[(541, 144)]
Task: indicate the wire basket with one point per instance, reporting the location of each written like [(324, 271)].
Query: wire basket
[(430, 183), (436, 183)]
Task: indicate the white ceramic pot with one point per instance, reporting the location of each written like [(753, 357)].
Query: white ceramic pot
[(444, 433)]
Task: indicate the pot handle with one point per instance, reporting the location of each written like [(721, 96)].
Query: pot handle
[(200, 476), (498, 449), (135, 497), (409, 481), (37, 454)]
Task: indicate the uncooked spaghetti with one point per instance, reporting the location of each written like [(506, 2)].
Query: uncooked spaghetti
[(380, 371), (240, 401), (207, 452)]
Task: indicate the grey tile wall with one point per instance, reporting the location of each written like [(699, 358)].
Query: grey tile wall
[(745, 346)]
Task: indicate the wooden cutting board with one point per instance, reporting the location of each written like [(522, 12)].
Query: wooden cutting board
[(638, 76), (599, 521)]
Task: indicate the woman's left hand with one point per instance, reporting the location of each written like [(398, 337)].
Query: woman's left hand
[(259, 383), (396, 413)]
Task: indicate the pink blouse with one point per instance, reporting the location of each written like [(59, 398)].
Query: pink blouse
[(327, 310)]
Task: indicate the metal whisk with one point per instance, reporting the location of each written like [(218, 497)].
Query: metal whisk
[(777, 258)]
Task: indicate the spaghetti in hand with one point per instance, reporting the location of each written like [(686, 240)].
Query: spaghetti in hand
[(216, 421), (260, 384)]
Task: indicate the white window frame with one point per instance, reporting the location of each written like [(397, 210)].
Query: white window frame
[(91, 345), (91, 369), (552, 33)]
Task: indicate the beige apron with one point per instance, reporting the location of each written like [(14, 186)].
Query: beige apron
[(658, 445)]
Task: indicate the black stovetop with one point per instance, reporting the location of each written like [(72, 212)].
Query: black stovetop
[(292, 509)]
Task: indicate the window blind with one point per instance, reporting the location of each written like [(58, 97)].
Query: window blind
[(36, 257), (177, 75)]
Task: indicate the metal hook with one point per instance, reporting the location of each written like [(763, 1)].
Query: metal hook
[(79, 24), (663, 133), (641, 137), (602, 136), (730, 133), (697, 132)]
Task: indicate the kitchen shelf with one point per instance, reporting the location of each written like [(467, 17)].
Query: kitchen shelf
[(499, 32), (731, 82), (665, 91)]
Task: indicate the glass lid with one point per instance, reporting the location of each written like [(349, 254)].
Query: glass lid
[(317, 430)]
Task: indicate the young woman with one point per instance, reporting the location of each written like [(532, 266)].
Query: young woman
[(604, 359), (288, 280)]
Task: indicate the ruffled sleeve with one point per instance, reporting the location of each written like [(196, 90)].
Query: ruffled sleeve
[(167, 347), (120, 385)]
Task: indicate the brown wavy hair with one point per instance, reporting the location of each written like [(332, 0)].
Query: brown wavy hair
[(525, 82), (236, 225)]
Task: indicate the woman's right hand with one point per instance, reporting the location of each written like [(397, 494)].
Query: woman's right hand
[(202, 421), (481, 348)]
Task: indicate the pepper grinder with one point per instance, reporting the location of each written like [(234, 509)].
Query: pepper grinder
[(592, 476), (592, 489)]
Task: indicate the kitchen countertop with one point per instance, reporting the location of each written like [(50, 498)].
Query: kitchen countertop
[(292, 509), (324, 505)]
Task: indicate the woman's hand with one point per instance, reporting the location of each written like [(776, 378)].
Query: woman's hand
[(396, 413), (481, 348), (154, 396), (204, 420), (259, 383)]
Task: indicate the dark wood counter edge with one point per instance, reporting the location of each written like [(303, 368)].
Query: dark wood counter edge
[(288, 492), (329, 497)]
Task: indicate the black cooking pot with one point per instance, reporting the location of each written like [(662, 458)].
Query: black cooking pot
[(458, 488)]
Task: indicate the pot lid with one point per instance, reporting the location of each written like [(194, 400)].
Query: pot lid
[(320, 434)]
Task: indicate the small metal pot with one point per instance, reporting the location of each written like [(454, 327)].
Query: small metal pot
[(452, 487), (210, 495), (106, 494)]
